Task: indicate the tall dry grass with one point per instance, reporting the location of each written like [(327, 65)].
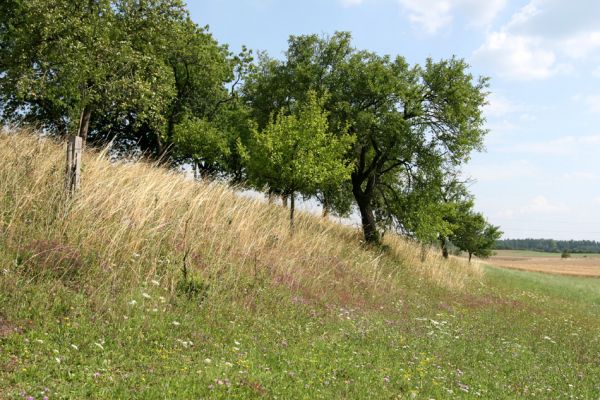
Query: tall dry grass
[(135, 222)]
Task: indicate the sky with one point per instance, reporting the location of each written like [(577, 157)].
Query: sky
[(540, 173)]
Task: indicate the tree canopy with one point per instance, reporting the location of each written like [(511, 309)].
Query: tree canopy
[(296, 153), (409, 121), (113, 69)]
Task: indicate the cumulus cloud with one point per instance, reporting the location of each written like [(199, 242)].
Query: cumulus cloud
[(542, 39), (434, 15)]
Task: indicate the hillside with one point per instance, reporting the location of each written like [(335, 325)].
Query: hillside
[(146, 285)]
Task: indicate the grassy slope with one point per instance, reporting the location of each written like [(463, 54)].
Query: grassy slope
[(92, 306)]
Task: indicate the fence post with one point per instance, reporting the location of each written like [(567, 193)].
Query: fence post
[(74, 153)]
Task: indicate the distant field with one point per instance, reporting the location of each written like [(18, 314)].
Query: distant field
[(577, 264)]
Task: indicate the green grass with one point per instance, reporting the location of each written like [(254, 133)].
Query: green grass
[(517, 335), (314, 316), (583, 290)]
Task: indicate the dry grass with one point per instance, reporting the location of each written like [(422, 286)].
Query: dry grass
[(136, 222), (554, 264)]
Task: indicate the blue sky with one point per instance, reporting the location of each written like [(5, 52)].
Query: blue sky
[(540, 173)]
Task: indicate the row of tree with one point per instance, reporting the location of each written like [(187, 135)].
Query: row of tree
[(351, 128), (549, 245)]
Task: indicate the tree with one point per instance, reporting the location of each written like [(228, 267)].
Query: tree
[(296, 154), (408, 121), (475, 235), (119, 70)]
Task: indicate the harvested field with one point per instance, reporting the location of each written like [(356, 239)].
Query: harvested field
[(577, 265)]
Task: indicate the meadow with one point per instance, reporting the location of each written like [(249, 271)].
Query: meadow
[(145, 285)]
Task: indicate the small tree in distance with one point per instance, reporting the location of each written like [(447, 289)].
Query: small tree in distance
[(475, 235), (296, 154)]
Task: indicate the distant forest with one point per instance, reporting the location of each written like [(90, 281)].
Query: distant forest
[(549, 245)]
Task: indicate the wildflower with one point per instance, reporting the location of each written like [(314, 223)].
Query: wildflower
[(162, 299), (155, 282), (176, 323), (146, 296), (549, 339), (132, 303), (207, 360), (57, 360), (97, 374), (228, 364), (75, 347)]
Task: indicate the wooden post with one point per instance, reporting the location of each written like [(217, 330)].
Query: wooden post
[(74, 153)]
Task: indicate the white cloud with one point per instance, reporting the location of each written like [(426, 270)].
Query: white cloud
[(517, 57), (541, 204), (592, 102), (492, 173), (562, 146), (542, 39), (499, 106), (433, 15), (350, 3), (580, 176)]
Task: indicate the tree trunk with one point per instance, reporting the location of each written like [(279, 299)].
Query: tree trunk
[(284, 200), (367, 216), (423, 252), (444, 242), (292, 210), (325, 210), (84, 123), (470, 254)]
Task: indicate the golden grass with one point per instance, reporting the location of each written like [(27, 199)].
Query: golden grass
[(575, 266), (132, 222)]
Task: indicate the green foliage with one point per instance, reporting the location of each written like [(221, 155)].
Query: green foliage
[(475, 235), (296, 154), (133, 67), (565, 254), (408, 121), (549, 245), (203, 143)]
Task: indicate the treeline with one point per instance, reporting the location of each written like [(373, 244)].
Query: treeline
[(351, 128), (549, 245)]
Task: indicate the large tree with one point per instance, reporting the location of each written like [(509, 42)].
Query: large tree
[(408, 121), (108, 69)]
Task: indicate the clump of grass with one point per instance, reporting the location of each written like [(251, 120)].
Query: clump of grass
[(136, 221)]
